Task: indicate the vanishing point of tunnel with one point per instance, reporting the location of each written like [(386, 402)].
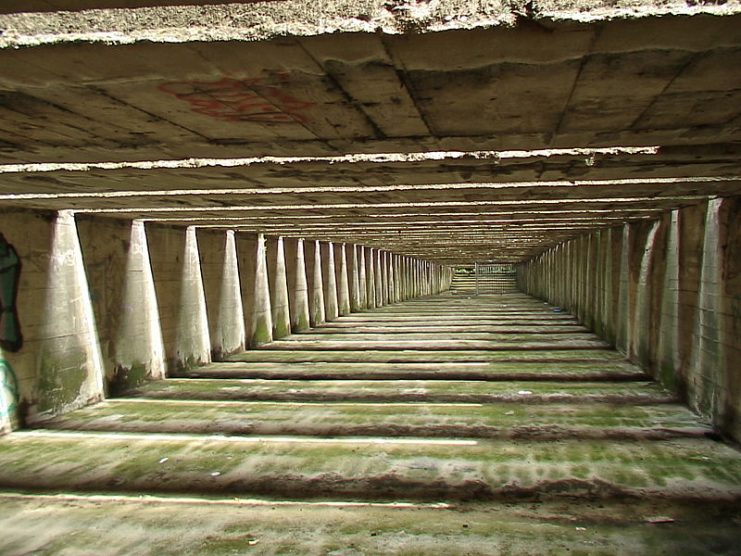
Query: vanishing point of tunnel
[(349, 277)]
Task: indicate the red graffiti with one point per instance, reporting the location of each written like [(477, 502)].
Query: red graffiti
[(240, 100)]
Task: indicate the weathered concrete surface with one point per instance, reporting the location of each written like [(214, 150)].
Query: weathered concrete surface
[(165, 526), (666, 292), (59, 365), (498, 398), (573, 97), (475, 432), (420, 390)]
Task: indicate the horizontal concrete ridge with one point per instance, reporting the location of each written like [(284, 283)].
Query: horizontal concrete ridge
[(299, 527), (314, 393), (509, 127), (517, 85), (303, 422)]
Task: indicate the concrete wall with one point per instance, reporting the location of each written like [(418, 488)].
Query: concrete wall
[(667, 293)]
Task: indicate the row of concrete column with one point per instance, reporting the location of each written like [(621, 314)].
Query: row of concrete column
[(260, 288), (665, 292), (300, 284), (104, 304)]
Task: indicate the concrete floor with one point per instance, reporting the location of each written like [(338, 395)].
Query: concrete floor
[(454, 425)]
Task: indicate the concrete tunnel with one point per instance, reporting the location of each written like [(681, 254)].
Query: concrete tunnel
[(370, 277)]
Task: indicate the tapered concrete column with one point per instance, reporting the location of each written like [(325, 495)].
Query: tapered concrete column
[(277, 276), (229, 334), (193, 339), (645, 293), (138, 344), (261, 331), (417, 278), (410, 278), (363, 275), (385, 281), (70, 362), (707, 359), (370, 271), (669, 351), (402, 278), (313, 258), (298, 289), (380, 301), (392, 280), (426, 277), (343, 285), (407, 293), (246, 253), (329, 281), (357, 289), (624, 302)]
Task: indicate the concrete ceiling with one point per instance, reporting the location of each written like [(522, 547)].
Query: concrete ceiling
[(478, 135)]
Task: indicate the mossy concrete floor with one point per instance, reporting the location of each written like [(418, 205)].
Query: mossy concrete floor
[(444, 425)]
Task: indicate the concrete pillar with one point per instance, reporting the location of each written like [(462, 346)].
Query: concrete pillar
[(363, 288), (343, 285), (317, 314), (70, 364), (408, 293), (329, 281), (246, 255), (139, 348), (298, 289), (623, 336), (668, 351), (119, 275), (357, 289), (385, 277), (223, 294), (277, 275), (193, 337), (704, 380), (371, 277), (261, 329), (392, 278), (378, 268)]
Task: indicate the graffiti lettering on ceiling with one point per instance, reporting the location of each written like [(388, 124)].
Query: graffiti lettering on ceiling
[(241, 100), (10, 270)]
